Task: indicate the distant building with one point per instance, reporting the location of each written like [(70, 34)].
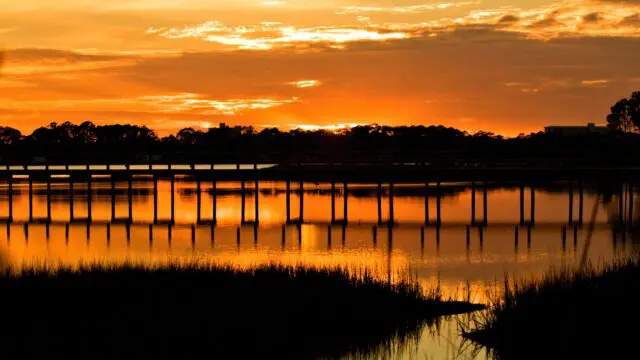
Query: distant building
[(591, 128)]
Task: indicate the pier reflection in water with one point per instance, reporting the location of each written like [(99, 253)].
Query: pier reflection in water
[(455, 236)]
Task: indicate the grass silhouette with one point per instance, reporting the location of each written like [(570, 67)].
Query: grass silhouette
[(569, 314), (196, 310)]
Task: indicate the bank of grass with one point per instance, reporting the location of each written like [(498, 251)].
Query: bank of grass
[(199, 310), (569, 314)]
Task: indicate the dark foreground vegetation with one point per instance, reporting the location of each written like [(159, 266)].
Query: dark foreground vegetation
[(435, 145), (590, 314), (195, 310)]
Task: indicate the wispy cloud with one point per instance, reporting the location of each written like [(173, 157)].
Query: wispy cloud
[(269, 35), (188, 103), (412, 9), (302, 84), (595, 83), (194, 102)]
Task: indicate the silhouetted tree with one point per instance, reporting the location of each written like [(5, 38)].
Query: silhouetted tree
[(625, 114)]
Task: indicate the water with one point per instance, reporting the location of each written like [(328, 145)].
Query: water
[(442, 257)]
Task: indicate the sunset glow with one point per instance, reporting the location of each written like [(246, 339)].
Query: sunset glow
[(506, 67)]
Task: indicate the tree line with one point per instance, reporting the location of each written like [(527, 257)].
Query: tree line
[(91, 142)]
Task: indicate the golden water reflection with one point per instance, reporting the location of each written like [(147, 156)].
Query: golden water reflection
[(441, 257)]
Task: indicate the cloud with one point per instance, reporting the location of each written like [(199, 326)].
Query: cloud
[(270, 35), (194, 102), (48, 61), (595, 83), (302, 84), (405, 9), (176, 103)]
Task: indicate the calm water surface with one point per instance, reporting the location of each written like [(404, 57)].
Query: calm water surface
[(443, 257)]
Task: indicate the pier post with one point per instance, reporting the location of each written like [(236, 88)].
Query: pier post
[(288, 200), (517, 236), (485, 204), (468, 237), (439, 205), (333, 202), (522, 205), (169, 233), (529, 237), (130, 198), (581, 203), (89, 200), (345, 206), (473, 203), (198, 201), (375, 235), (242, 202), (256, 201), (155, 199), (10, 196), (570, 202), (564, 237), (173, 199), (71, 215), (214, 194), (630, 204), (30, 199), (481, 237), (48, 199), (533, 205), (621, 198), (66, 231), (150, 233), (329, 237), (301, 216), (108, 232), (575, 237), (391, 205), (427, 216), (113, 199), (193, 235), (379, 195), (422, 236)]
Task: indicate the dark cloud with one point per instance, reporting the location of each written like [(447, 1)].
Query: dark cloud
[(509, 19), (592, 18), (633, 20), (34, 54), (545, 23)]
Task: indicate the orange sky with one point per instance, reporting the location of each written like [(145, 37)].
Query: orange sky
[(507, 67)]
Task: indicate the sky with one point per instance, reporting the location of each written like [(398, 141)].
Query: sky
[(508, 67)]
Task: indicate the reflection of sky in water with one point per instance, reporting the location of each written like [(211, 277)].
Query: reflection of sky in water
[(449, 262)]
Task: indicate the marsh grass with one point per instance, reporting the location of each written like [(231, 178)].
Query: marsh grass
[(569, 313), (189, 310)]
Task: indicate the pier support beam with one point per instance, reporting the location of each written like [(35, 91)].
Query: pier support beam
[(71, 214), (256, 201), (130, 199), (473, 203), (243, 196), (198, 201), (173, 200), (155, 199), (89, 199), (48, 199), (391, 205), (521, 204), (10, 196), (439, 205), (333, 202), (581, 203), (427, 216), (533, 205), (30, 199), (345, 207), (301, 216), (214, 194), (485, 204), (379, 196), (288, 201), (570, 202)]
